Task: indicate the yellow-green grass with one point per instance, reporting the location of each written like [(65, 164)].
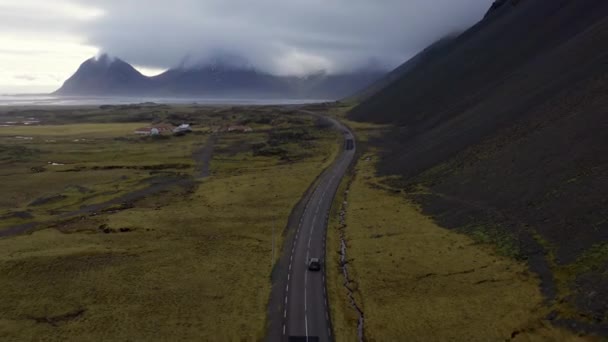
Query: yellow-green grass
[(343, 315), (419, 282), (99, 162), (92, 130), (196, 266)]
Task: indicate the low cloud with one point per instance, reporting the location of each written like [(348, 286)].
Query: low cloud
[(47, 40), (26, 77), (278, 36)]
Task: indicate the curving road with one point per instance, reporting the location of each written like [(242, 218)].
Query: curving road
[(298, 309)]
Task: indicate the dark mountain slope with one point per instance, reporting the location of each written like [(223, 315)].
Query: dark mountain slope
[(336, 86), (430, 53), (508, 130), (105, 76)]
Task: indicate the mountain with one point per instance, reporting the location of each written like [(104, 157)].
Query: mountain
[(111, 76), (219, 81), (426, 55), (105, 75), (505, 127)]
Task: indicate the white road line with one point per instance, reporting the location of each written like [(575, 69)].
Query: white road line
[(285, 313), (306, 324), (283, 329), (305, 300), (285, 300), (287, 288), (288, 279)]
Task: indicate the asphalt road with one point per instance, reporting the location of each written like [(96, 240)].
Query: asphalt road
[(301, 311)]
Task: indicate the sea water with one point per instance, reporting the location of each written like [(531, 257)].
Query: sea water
[(53, 100)]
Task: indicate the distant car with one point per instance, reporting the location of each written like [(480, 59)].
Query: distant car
[(314, 264)]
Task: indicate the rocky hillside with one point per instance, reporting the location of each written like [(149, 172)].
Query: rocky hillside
[(502, 134)]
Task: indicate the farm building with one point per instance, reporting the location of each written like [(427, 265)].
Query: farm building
[(154, 130), (183, 128)]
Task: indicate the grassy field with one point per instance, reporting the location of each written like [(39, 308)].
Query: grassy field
[(188, 263), (417, 281), (60, 168)]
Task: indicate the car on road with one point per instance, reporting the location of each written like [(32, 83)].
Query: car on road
[(314, 264)]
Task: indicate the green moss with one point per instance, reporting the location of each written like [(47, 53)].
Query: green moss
[(501, 241)]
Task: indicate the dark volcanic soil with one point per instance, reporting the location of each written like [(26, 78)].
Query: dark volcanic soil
[(508, 128)]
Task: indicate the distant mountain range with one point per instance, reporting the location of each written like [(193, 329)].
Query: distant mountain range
[(107, 76)]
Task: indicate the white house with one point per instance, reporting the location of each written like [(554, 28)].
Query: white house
[(183, 128)]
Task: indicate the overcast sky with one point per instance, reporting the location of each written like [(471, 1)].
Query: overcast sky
[(43, 42)]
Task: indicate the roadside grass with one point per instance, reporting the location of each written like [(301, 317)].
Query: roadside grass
[(184, 264), (417, 281), (344, 317)]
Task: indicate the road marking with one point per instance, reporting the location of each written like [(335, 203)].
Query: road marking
[(319, 195), (306, 324), (305, 300), (285, 313)]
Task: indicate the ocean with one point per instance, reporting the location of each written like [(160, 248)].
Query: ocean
[(52, 100)]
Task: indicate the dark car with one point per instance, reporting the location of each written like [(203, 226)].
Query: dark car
[(314, 264)]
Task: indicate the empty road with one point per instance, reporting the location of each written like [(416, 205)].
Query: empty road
[(299, 305)]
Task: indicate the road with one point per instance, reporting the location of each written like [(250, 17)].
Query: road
[(299, 305)]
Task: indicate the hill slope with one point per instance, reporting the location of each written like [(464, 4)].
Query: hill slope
[(507, 129), (105, 76), (425, 56)]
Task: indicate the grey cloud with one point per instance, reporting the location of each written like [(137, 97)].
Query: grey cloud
[(279, 36)]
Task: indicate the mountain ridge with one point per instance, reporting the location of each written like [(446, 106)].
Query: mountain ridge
[(109, 76)]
